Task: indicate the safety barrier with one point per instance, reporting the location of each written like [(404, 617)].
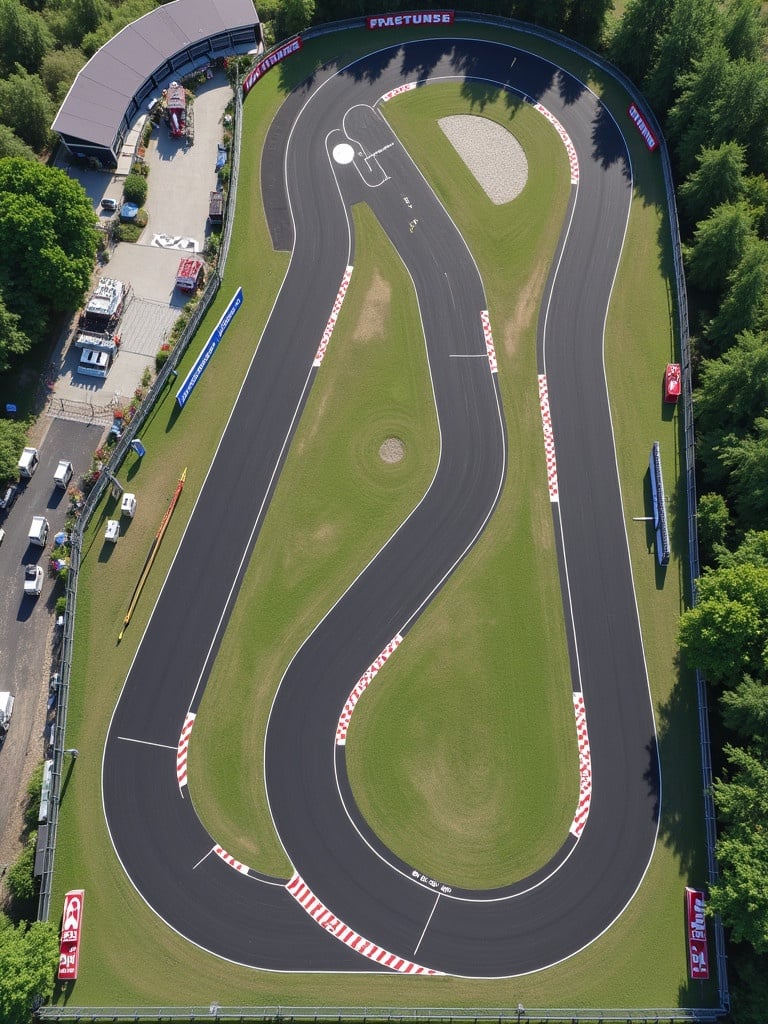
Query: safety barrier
[(369, 1014)]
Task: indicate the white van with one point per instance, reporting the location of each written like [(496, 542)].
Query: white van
[(30, 457), (63, 474), (6, 710), (38, 531)]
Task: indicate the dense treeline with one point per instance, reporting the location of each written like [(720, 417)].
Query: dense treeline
[(702, 66)]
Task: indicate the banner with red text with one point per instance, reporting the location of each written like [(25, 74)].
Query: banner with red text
[(696, 927), (640, 123), (269, 62), (71, 928)]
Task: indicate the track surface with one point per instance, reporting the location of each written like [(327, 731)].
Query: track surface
[(169, 857)]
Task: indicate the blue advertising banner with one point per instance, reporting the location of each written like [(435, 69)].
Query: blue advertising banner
[(209, 348)]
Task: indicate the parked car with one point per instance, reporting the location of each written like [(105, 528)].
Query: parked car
[(33, 580), (672, 382), (8, 497), (110, 205), (6, 710)]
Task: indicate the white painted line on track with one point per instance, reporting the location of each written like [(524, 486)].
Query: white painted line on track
[(424, 932), (147, 743)]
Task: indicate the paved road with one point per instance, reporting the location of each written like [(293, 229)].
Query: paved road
[(163, 847)]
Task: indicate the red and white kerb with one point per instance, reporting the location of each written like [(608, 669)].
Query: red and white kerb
[(585, 767), (333, 317), (181, 750), (301, 892), (485, 320), (362, 684), (549, 438), (570, 149)]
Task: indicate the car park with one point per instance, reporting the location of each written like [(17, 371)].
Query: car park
[(33, 580), (8, 497)]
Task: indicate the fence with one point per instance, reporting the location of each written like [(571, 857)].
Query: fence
[(215, 1012), (369, 1014)]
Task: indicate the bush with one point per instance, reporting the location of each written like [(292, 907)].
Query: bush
[(161, 358), (20, 879), (61, 605), (135, 189), (147, 133), (34, 792), (127, 232)]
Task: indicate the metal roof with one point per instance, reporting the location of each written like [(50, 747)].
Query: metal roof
[(102, 91)]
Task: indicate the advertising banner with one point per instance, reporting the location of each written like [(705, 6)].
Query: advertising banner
[(405, 19), (648, 136), (203, 359), (696, 927), (71, 928), (269, 62)]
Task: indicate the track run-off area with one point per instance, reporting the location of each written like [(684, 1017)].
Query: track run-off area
[(351, 904)]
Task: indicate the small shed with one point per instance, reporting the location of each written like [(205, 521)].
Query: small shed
[(216, 208)]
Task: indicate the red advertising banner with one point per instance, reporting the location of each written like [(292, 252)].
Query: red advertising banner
[(71, 927), (410, 18), (696, 926), (269, 62), (648, 137)]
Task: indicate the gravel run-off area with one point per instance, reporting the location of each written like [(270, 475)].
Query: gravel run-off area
[(493, 155)]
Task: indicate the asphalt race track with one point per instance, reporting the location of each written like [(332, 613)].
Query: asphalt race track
[(352, 906)]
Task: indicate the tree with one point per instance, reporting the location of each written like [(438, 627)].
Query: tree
[(135, 189), (714, 521), (13, 437), (719, 243), (13, 341), (84, 16), (690, 28), (718, 179), (12, 145), (746, 459), (733, 389), (28, 958), (293, 16), (586, 21), (743, 30), (745, 710), (753, 550), (691, 120), (725, 634), (47, 242), (58, 71), (740, 896), (744, 305), (26, 108), (24, 37), (635, 42)]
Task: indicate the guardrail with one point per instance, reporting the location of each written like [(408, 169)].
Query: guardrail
[(397, 1014), (369, 1014), (167, 372)]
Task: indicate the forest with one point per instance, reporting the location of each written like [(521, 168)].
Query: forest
[(701, 64)]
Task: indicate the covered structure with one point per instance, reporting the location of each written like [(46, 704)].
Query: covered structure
[(168, 43)]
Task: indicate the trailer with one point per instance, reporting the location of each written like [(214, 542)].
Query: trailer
[(190, 274)]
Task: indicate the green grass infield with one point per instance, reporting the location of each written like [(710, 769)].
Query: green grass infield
[(486, 782)]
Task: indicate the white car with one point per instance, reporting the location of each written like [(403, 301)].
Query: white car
[(33, 580)]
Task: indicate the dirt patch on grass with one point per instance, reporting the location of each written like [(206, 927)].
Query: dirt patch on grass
[(526, 308), (375, 313)]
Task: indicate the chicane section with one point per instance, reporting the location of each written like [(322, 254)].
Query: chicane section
[(364, 895)]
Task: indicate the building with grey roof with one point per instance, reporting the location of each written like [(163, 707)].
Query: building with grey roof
[(169, 42)]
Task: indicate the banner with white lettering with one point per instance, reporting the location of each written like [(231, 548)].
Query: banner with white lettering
[(269, 61), (640, 123), (696, 926), (408, 18), (71, 928), (203, 359)]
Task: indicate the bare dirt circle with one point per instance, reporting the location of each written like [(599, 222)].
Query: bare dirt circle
[(392, 450)]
